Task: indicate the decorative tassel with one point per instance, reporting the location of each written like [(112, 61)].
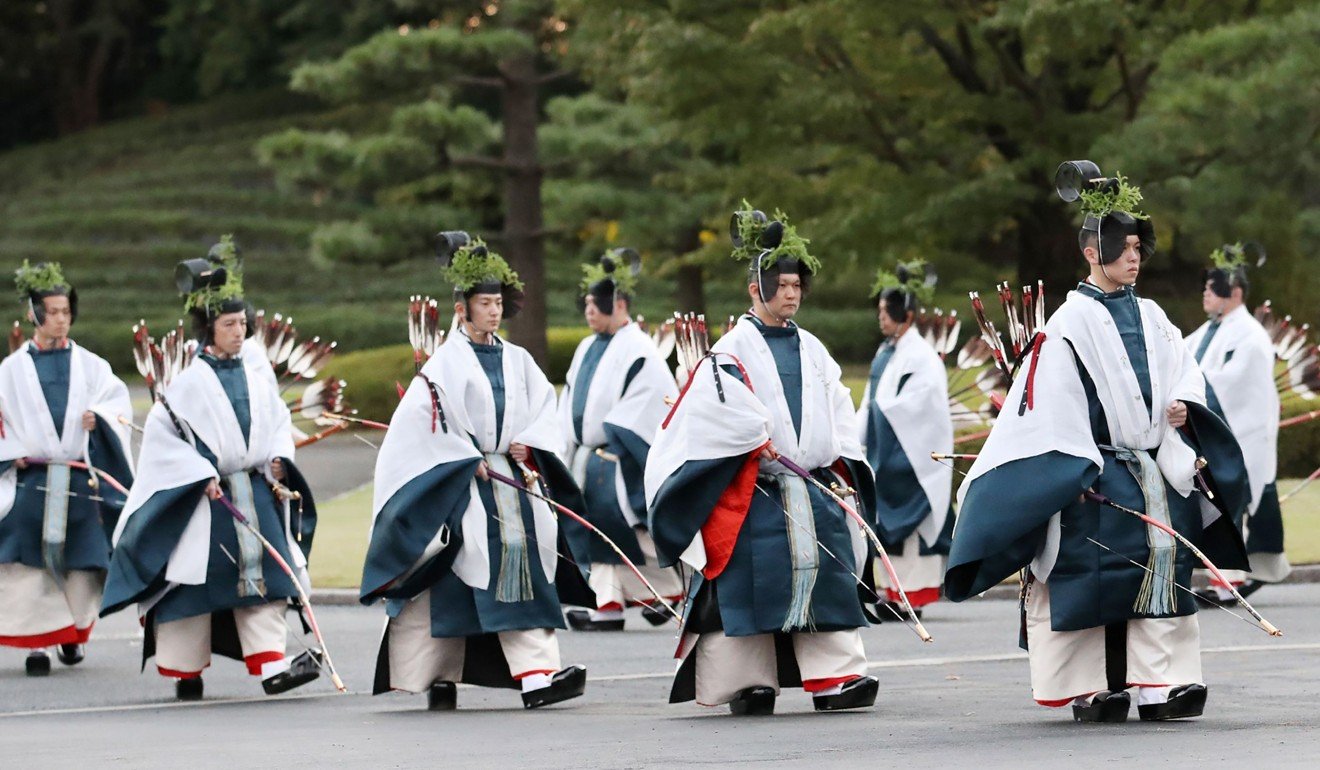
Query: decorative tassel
[(514, 583), (802, 544), (1157, 596)]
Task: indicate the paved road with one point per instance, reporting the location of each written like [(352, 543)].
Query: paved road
[(962, 700)]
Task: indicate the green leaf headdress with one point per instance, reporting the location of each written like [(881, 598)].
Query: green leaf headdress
[(39, 279), (1112, 209), (213, 285), (1230, 263), (44, 279), (471, 267), (615, 274), (755, 237), (916, 279)]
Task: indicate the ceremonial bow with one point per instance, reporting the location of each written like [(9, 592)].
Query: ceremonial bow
[(1096, 497), (526, 488), (875, 540)]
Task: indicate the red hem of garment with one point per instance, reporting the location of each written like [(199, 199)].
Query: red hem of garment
[(66, 635), (257, 660), (525, 674), (171, 673), (919, 598), (720, 532), (610, 607), (816, 685), (1054, 704)]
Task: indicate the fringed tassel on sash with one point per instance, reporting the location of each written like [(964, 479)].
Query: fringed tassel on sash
[(1157, 594), (251, 579), (514, 583), (802, 545), (55, 521)]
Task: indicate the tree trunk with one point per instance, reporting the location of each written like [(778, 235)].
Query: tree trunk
[(523, 238), (690, 293), (1047, 250)]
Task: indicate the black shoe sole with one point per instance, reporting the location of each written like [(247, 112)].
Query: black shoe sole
[(73, 658), (581, 621), (188, 689), (281, 683), (1113, 709), (37, 665), (1187, 704), (565, 685), (859, 695), (656, 617), (442, 696), (753, 702)]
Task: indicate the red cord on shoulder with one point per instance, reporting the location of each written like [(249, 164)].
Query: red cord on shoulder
[(1031, 373)]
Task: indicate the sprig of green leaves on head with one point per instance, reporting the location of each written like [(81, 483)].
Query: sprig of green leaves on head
[(907, 276), (594, 272), (224, 254), (1121, 196), (1229, 257), (791, 245), (475, 263), (41, 277)]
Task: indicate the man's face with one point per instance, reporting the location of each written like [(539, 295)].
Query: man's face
[(787, 300), (230, 331), (598, 321), (1125, 269), (485, 312), (1212, 303), (59, 317), (888, 325)]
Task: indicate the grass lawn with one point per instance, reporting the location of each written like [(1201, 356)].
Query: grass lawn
[(341, 533), (342, 527)]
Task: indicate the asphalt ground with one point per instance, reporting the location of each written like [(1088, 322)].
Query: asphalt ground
[(962, 701)]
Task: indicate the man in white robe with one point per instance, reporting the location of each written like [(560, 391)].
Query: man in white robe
[(775, 603), (471, 566), (610, 409), (1108, 400), (59, 404), (203, 581), (1236, 355), (903, 418)]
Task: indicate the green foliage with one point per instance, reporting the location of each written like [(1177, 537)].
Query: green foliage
[(908, 276), (41, 277), (791, 245), (224, 253), (475, 263), (1229, 257), (595, 272), (1123, 196)]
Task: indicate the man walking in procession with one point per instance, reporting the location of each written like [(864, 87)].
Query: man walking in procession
[(62, 415), (217, 440), (1237, 357), (1109, 411), (904, 417), (471, 566), (610, 410), (776, 603)]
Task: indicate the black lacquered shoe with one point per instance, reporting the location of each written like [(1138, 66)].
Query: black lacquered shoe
[(1106, 706), (564, 685), (37, 663), (70, 654), (754, 702), (301, 670), (442, 696), (581, 620), (188, 689), (655, 615), (860, 693), (1184, 702)]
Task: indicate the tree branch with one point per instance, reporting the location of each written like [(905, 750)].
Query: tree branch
[(959, 66), (553, 75), (479, 161), (477, 81)]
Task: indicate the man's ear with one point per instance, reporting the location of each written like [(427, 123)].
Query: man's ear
[(460, 310), (754, 292), (1092, 256)]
